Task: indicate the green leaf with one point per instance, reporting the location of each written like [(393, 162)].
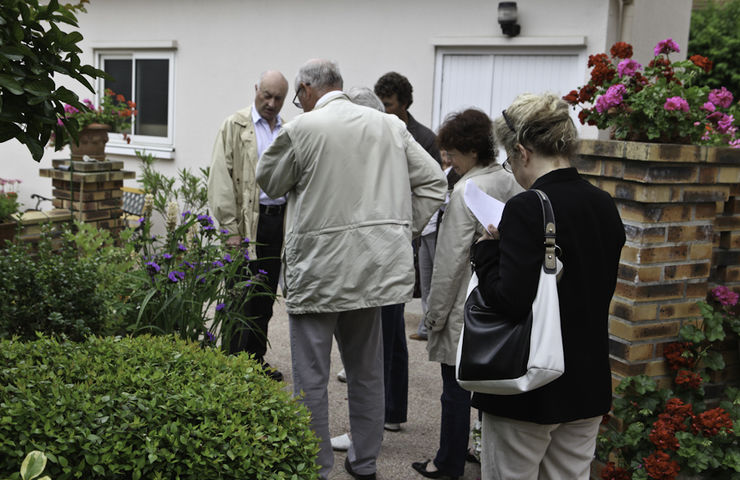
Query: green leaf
[(11, 84), (33, 465)]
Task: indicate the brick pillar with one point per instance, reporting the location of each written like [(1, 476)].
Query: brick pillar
[(681, 216), (90, 190)]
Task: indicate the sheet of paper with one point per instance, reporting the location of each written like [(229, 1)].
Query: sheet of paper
[(486, 209)]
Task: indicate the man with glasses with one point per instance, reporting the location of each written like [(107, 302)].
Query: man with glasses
[(360, 186), (244, 210)]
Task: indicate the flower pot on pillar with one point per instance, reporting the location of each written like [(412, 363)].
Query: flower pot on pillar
[(91, 142)]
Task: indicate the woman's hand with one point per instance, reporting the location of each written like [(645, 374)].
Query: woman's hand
[(490, 234)]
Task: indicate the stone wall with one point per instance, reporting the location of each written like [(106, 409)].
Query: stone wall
[(680, 205)]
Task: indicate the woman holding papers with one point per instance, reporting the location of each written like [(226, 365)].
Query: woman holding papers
[(550, 432), (467, 138)]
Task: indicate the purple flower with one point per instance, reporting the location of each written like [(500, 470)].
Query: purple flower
[(142, 219), (721, 97), (611, 98), (709, 107), (245, 240), (220, 307), (246, 255), (186, 213), (205, 219), (153, 266), (218, 263), (227, 258), (725, 124), (224, 231), (187, 264), (167, 256), (210, 337), (725, 296), (201, 279), (676, 103), (262, 272), (666, 46), (628, 67), (209, 227), (182, 247), (176, 276)]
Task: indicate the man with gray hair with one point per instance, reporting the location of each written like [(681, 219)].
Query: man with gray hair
[(360, 186), (244, 210)]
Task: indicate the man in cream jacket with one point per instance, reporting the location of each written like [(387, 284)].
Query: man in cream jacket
[(360, 187)]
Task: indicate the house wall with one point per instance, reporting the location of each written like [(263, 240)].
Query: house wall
[(223, 45)]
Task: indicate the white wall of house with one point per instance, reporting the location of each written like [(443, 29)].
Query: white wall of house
[(221, 46)]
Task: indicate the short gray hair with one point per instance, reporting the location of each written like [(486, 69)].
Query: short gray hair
[(365, 97), (319, 74)]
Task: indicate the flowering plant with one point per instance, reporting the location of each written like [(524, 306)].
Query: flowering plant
[(8, 199), (662, 102), (189, 282), (114, 111), (655, 433)]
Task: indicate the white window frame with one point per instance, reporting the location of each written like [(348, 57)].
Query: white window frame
[(159, 147)]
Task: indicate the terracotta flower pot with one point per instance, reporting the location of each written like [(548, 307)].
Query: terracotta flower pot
[(91, 142)]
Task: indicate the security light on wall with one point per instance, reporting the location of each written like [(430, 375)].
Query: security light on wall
[(507, 17)]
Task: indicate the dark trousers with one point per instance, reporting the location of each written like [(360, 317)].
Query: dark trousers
[(395, 363), (455, 427), (253, 339)]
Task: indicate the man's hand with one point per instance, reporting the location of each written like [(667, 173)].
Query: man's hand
[(234, 241)]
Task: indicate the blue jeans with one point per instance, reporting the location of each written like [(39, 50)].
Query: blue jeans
[(455, 426), (395, 363)]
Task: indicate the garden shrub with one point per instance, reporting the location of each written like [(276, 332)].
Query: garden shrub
[(49, 291), (148, 407)]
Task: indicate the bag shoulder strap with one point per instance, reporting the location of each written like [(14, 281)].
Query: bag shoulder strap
[(550, 263)]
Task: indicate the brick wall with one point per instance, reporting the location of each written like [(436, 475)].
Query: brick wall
[(680, 205), (91, 191)]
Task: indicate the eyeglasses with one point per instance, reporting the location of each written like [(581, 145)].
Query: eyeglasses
[(297, 102), (507, 165)]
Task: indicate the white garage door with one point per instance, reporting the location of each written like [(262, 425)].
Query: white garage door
[(490, 81)]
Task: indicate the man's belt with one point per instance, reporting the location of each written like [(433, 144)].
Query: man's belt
[(272, 210)]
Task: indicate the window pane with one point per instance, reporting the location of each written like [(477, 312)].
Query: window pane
[(152, 84), (120, 70)]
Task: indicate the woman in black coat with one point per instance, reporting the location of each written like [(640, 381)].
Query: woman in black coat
[(550, 432)]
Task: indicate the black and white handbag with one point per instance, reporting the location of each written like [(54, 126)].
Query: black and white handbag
[(506, 356)]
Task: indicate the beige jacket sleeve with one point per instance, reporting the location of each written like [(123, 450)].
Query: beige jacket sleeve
[(277, 171), (221, 196), (451, 261), (428, 184)]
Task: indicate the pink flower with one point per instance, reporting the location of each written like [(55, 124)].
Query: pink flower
[(709, 107), (628, 67), (734, 143), (88, 103), (725, 296), (611, 98), (725, 124), (721, 97), (676, 103), (666, 46)]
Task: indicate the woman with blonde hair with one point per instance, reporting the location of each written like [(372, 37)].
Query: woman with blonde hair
[(550, 432)]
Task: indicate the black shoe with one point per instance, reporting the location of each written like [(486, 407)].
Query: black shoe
[(271, 372), (470, 457), (421, 467), (358, 476)]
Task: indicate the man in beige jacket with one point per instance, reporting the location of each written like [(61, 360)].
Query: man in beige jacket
[(243, 209), (360, 186)]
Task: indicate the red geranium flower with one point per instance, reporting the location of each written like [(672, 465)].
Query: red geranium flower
[(621, 50), (711, 422), (674, 354), (702, 62), (660, 466), (688, 379), (612, 472)]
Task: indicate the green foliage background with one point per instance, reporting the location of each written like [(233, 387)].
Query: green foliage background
[(715, 34)]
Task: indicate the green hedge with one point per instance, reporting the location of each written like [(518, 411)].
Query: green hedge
[(150, 408)]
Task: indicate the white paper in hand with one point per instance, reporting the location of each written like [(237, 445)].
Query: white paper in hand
[(486, 209)]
